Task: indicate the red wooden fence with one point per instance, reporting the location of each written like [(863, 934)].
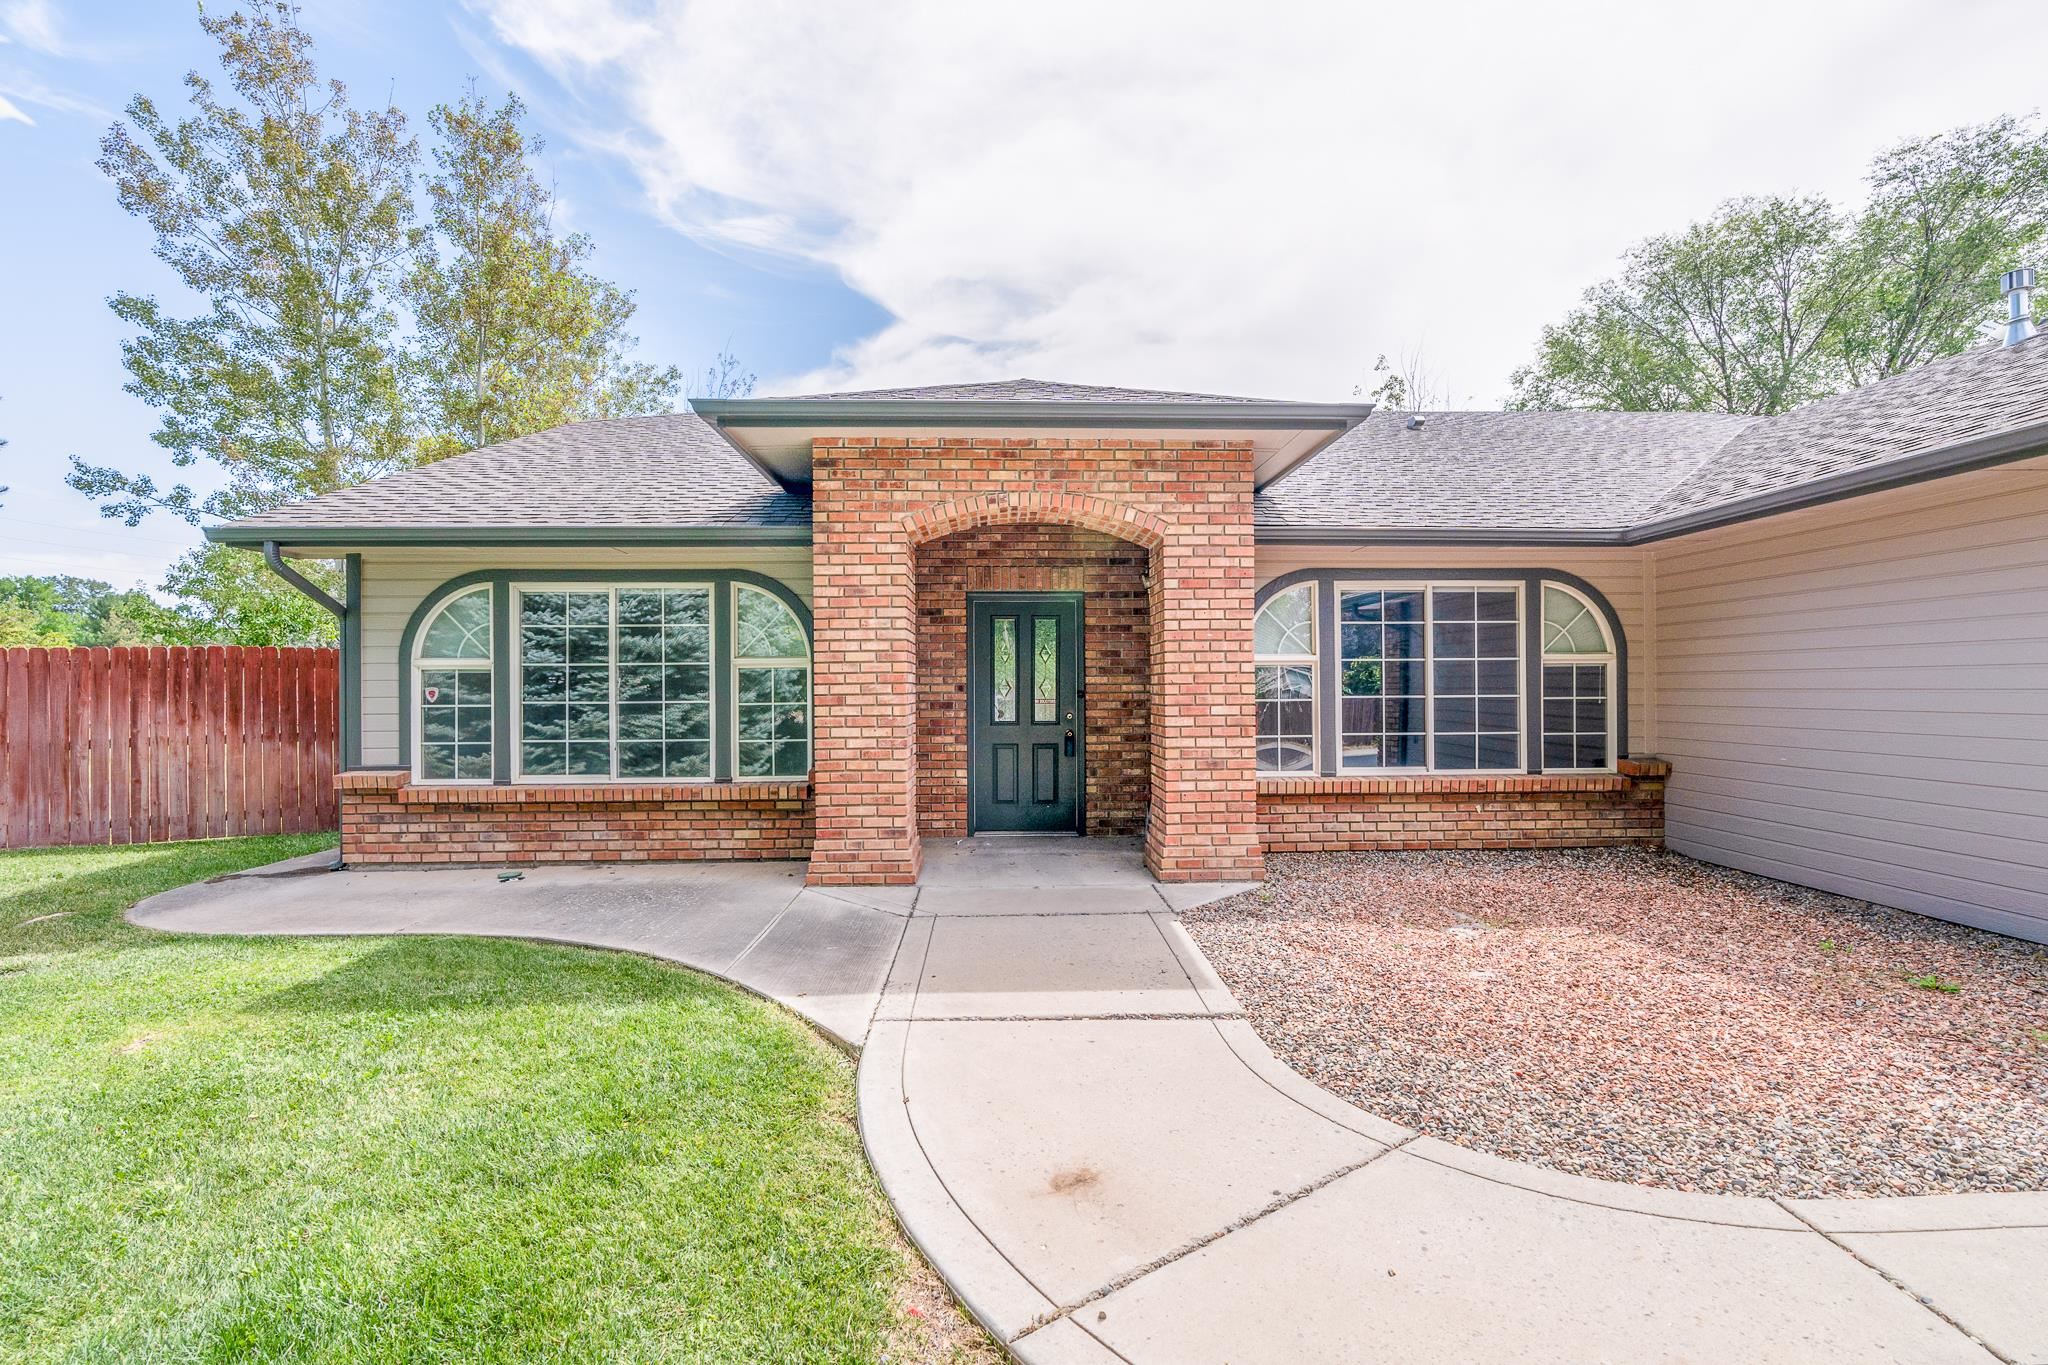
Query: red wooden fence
[(135, 745)]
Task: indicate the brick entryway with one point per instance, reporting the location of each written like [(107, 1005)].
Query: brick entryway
[(1185, 507), (1109, 575)]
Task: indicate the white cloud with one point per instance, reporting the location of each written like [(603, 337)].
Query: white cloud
[(1249, 199), (33, 24), (11, 111)]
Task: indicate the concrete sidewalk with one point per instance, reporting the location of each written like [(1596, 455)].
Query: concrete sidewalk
[(824, 954), (1087, 1140)]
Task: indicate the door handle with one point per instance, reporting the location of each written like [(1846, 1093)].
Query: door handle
[(1070, 744)]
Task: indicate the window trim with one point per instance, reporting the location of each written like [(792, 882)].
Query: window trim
[(736, 661), (1609, 659), (1309, 661), (504, 661), (1328, 665), (614, 586), (415, 754), (1429, 587)]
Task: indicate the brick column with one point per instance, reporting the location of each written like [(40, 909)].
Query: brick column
[(863, 682), (1204, 822)]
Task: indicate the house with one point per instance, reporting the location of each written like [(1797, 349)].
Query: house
[(1813, 646)]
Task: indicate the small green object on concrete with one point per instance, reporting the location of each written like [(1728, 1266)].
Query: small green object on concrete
[(511, 876)]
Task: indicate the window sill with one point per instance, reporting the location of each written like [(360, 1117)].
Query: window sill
[(1439, 783), (404, 790)]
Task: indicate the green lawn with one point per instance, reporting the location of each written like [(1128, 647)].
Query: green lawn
[(408, 1149)]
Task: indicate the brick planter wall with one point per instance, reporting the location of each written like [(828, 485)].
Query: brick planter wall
[(1342, 814), (1188, 504), (1115, 639), (385, 819)]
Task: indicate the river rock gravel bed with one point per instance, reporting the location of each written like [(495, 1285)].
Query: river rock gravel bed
[(1638, 1016)]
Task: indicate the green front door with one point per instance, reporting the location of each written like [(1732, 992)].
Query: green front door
[(1024, 737)]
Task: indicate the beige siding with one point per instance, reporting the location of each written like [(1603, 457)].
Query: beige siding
[(1855, 697), (396, 580), (1619, 574)]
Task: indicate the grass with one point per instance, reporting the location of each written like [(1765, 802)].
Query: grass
[(1934, 981), (407, 1149)]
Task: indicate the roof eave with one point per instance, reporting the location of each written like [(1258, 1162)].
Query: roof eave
[(239, 534), (931, 412), (1320, 423), (1437, 535), (1959, 457)]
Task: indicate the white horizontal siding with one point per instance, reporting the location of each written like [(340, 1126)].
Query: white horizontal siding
[(1621, 575), (395, 581), (1855, 697)]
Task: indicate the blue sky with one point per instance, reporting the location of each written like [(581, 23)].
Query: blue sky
[(1195, 194)]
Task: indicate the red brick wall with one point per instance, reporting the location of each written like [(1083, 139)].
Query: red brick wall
[(386, 820), (1115, 638), (1330, 815), (1188, 504)]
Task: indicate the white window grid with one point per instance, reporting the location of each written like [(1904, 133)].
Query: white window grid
[(1607, 660), (1315, 681), (423, 664), (1429, 587)]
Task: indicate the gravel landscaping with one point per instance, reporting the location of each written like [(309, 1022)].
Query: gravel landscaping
[(1639, 1016)]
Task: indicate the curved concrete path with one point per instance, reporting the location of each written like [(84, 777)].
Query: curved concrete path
[(1084, 1136), (824, 954)]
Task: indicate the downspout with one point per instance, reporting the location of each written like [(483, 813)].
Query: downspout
[(348, 615)]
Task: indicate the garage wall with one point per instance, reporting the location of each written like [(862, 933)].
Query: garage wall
[(396, 580), (1855, 697), (1623, 575)]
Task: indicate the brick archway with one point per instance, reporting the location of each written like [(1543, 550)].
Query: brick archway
[(1187, 504), (1032, 505), (1112, 577)]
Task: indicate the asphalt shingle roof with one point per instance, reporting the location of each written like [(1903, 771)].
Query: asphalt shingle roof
[(665, 471), (1459, 472), (1982, 392), (1496, 470)]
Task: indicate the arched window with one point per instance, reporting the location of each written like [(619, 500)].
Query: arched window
[(451, 687), (1578, 683), (1284, 654), (1435, 674), (772, 682)]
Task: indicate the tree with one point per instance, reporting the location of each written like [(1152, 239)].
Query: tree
[(1731, 315), (288, 212), (229, 596), (1411, 387), (1774, 302), (724, 378), (58, 609), (514, 333), (1947, 216)]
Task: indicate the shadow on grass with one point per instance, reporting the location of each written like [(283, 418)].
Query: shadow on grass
[(416, 975), (63, 900), (84, 909)]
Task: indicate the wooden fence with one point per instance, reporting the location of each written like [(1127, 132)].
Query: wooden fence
[(135, 745)]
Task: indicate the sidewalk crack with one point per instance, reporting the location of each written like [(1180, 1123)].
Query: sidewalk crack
[(1188, 1248), (1894, 1281)]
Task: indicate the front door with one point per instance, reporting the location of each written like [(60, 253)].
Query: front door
[(1024, 737)]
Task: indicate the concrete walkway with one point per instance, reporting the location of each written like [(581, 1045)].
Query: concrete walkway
[(1081, 1132), (1084, 1136), (824, 954)]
